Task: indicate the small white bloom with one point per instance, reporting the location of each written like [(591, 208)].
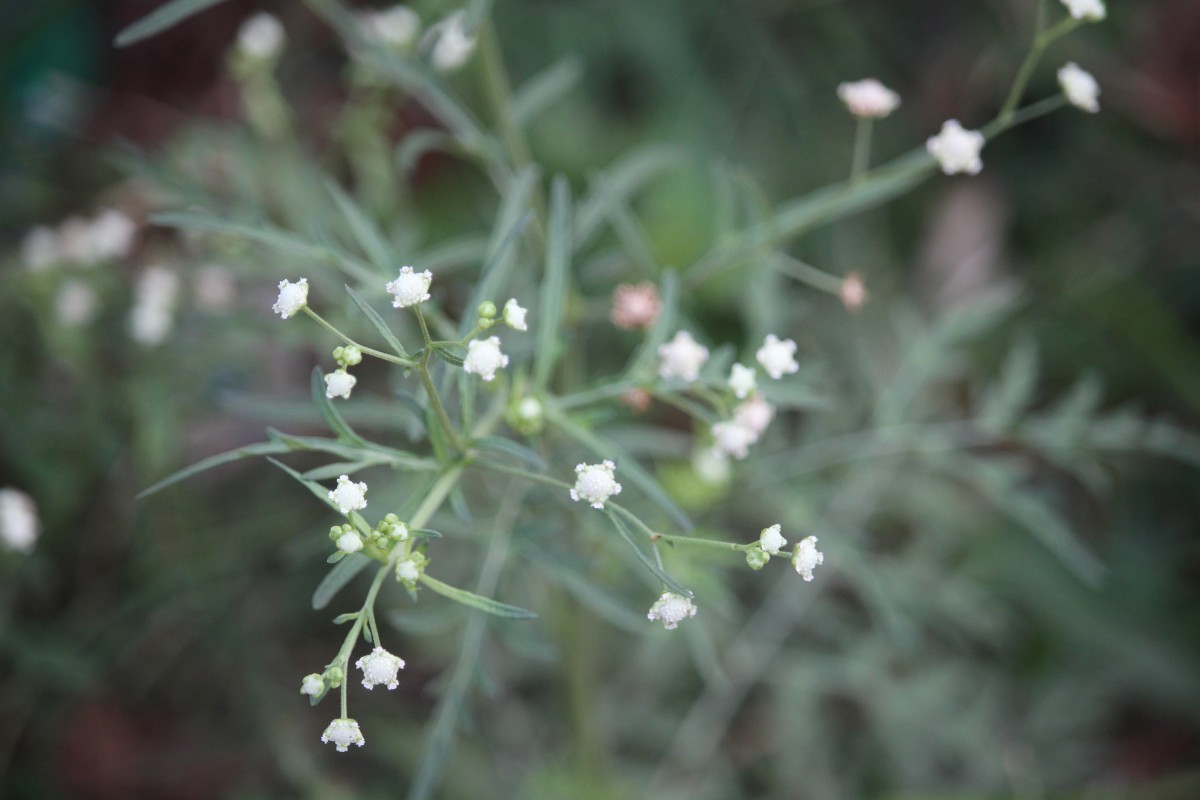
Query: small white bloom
[(682, 357), (408, 570), (671, 609), (111, 235), (380, 668), (453, 46), (514, 315), (1092, 10), (742, 380), (292, 297), (806, 557), (40, 248), (349, 542), (399, 531), (349, 496), (957, 149), (19, 523), (853, 292), (410, 288), (484, 358), (153, 313), (635, 305), (755, 414), (530, 409), (777, 357), (710, 466), (771, 540), (76, 304), (1080, 87), (339, 383), (733, 439), (343, 732), (868, 98), (312, 685), (396, 27), (261, 37), (595, 483)]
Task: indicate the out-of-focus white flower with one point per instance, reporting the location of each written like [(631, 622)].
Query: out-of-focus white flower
[(153, 312), (40, 248), (292, 297), (408, 570), (853, 292), (1080, 87), (261, 37), (771, 539), (742, 380), (111, 235), (595, 483), (409, 288), (215, 289), (514, 315), (957, 149), (312, 685), (396, 27), (635, 305), (484, 357), (682, 357), (755, 414), (452, 46), (339, 383), (380, 668), (1092, 10), (733, 439), (348, 540), (349, 496), (778, 357), (868, 98), (806, 557), (75, 241), (343, 732), (671, 609), (710, 466), (76, 304), (19, 523), (530, 409)]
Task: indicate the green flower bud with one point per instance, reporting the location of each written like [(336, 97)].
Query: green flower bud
[(756, 558), (335, 676), (487, 310)]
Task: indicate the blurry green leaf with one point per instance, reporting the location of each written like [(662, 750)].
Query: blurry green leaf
[(476, 601), (552, 308), (414, 146), (337, 578), (647, 562), (318, 491), (543, 89), (1005, 401), (366, 232), (589, 594), (331, 415), (376, 320), (621, 181), (498, 444), (329, 472), (165, 16), (510, 222), (351, 452), (259, 449)]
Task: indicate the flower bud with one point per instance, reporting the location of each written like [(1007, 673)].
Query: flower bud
[(334, 677), (757, 558), (487, 310)]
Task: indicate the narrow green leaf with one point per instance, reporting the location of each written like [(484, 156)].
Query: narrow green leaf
[(318, 491), (646, 560), (543, 89), (415, 145), (260, 449), (427, 533), (165, 16), (352, 452), (329, 472), (336, 579), (552, 308), (498, 444), (376, 320), (592, 596), (1005, 401), (364, 229), (342, 619), (625, 179), (476, 601), (331, 415)]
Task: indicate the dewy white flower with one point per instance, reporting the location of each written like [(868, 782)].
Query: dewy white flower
[(312, 685), (343, 732), (261, 37), (153, 312), (1092, 10), (755, 414), (380, 668), (868, 98), (453, 47), (957, 149), (349, 542), (396, 27), (40, 248), (771, 540), (76, 304), (595, 483), (682, 357), (806, 557), (671, 609), (349, 496), (514, 315), (111, 235), (19, 523), (292, 297), (409, 288), (777, 356), (1080, 87), (484, 358), (339, 383), (733, 439), (742, 380)]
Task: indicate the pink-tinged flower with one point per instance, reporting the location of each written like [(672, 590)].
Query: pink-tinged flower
[(868, 98), (853, 292), (635, 306)]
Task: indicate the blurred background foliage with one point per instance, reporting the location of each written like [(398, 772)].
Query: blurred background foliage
[(1009, 607)]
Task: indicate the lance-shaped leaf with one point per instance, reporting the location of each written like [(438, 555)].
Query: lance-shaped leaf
[(259, 449), (552, 308), (331, 415), (336, 579), (376, 320), (646, 560), (163, 17), (476, 601)]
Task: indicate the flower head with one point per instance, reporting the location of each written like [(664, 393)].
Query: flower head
[(409, 570), (682, 357), (111, 235), (635, 305), (637, 399), (957, 149), (778, 357), (806, 557), (868, 98), (292, 297), (349, 496), (771, 540), (396, 27), (312, 685), (733, 439), (76, 304), (742, 380), (1092, 10), (343, 732), (40, 248), (671, 609), (1080, 87), (153, 312), (755, 414), (514, 315), (261, 37), (595, 483), (453, 46), (409, 288), (484, 357), (853, 292), (339, 383), (380, 668), (19, 523), (346, 538)]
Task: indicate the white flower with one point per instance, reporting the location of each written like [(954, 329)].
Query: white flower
[(806, 557), (261, 37), (453, 46), (349, 496), (777, 357), (595, 483), (153, 312), (771, 540), (76, 304), (292, 297), (408, 570), (1080, 87), (111, 235), (380, 668), (343, 732), (635, 305), (339, 383), (530, 409), (40, 248), (398, 531), (514, 315), (682, 357), (733, 439), (75, 240), (742, 380), (1086, 9), (396, 27), (755, 414), (853, 292), (671, 609), (312, 685), (349, 541), (710, 466), (19, 523), (868, 98), (956, 149), (410, 287), (484, 358)]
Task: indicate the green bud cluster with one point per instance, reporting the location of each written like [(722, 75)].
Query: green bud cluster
[(347, 356)]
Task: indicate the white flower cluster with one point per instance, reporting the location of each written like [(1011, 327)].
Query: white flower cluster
[(806, 557), (957, 149), (681, 358), (484, 357), (1080, 87), (19, 523), (261, 37), (733, 437), (109, 236), (671, 609), (349, 496), (453, 46), (292, 297), (343, 732), (380, 669), (595, 483), (153, 312), (868, 98), (396, 27), (410, 288), (1089, 10)]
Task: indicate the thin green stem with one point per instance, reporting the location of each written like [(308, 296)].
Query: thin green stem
[(714, 543), (435, 399), (589, 396), (1040, 42), (370, 351), (862, 149)]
